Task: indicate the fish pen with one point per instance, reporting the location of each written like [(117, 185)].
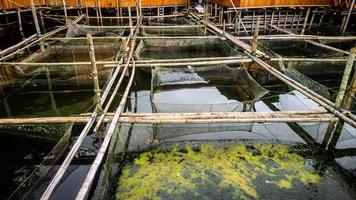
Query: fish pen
[(178, 99)]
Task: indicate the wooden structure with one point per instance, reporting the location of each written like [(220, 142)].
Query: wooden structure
[(272, 3), (14, 4)]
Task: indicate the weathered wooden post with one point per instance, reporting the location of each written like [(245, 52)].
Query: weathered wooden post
[(305, 21), (255, 36), (94, 73), (37, 26)]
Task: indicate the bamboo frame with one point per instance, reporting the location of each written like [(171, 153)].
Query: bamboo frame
[(167, 118)]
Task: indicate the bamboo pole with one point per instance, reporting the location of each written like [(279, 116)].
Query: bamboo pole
[(20, 23), (305, 21), (311, 21), (203, 118), (39, 40), (255, 36), (64, 166), (84, 190), (313, 42), (65, 10), (18, 45), (130, 21), (304, 90), (94, 73), (37, 26), (42, 21), (345, 78), (348, 17)]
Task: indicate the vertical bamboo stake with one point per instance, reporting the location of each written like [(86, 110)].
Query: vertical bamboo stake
[(87, 14), (265, 21), (100, 14), (216, 10), (279, 17), (293, 20), (97, 16), (348, 17), (37, 26), (298, 22), (272, 18), (311, 21), (117, 11), (20, 23), (224, 27), (255, 36), (305, 21), (65, 10), (206, 19), (94, 73), (253, 20), (130, 21), (285, 20), (42, 21), (345, 78), (321, 19), (351, 94), (175, 10)]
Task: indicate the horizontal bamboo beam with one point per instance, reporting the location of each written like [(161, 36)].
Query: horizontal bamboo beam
[(311, 42), (188, 118), (177, 62), (260, 37)]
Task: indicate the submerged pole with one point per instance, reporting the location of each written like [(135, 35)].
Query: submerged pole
[(37, 26), (94, 73)]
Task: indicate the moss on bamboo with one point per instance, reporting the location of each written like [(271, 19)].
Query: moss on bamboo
[(189, 173)]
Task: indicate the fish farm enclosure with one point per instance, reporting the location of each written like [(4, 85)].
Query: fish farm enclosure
[(178, 99)]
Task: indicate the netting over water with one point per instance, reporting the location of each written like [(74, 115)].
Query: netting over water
[(75, 30), (185, 48), (191, 90)]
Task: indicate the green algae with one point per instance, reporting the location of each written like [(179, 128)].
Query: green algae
[(212, 172)]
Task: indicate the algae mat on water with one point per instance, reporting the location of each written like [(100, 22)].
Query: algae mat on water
[(235, 171)]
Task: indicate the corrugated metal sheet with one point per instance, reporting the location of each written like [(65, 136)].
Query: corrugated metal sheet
[(7, 4)]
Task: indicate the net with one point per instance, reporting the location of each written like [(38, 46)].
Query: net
[(209, 98)]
